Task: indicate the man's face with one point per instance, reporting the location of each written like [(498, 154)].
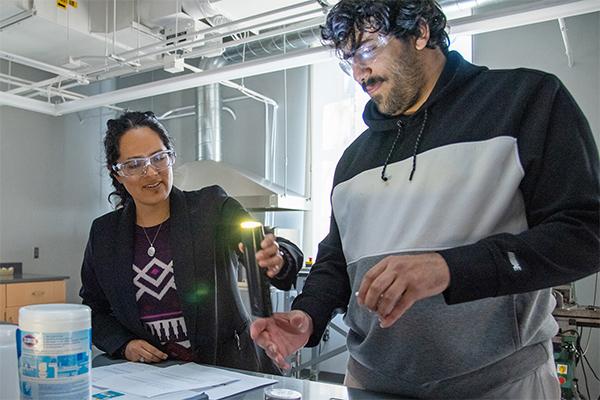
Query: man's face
[(393, 75)]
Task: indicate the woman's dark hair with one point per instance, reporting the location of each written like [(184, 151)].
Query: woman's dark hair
[(116, 128), (401, 18)]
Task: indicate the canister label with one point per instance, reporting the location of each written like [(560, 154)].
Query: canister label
[(54, 365)]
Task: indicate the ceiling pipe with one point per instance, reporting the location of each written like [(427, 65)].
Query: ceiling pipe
[(565, 37), (211, 48), (500, 19), (15, 19), (232, 24), (256, 67), (40, 84), (87, 72), (25, 103), (274, 45), (44, 67)]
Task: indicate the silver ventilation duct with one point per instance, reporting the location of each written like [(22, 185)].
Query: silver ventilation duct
[(272, 46), (208, 114), (255, 193)]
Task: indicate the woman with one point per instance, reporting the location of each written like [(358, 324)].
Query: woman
[(159, 272)]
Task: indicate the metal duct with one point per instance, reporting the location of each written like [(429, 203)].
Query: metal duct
[(254, 192), (274, 45), (200, 9), (208, 114)]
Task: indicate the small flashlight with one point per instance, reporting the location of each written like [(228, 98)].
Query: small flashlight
[(258, 283)]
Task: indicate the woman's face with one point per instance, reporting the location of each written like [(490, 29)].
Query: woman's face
[(153, 187)]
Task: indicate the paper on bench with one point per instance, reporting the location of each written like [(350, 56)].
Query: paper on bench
[(159, 381)]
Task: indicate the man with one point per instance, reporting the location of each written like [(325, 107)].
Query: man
[(470, 195)]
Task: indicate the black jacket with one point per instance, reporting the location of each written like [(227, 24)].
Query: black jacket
[(203, 224)]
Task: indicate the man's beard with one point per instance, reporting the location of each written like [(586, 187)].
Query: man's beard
[(406, 81)]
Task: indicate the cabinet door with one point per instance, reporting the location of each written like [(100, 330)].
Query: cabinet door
[(2, 299), (12, 315), (22, 294)]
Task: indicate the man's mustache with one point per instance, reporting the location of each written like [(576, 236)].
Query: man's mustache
[(371, 81)]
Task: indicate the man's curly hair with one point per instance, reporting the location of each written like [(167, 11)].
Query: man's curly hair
[(401, 18)]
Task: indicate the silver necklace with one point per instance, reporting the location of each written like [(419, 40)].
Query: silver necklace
[(151, 250)]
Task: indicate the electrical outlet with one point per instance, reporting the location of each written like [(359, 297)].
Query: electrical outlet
[(36, 252)]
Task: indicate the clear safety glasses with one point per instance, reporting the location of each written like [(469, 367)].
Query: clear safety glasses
[(363, 56), (139, 166)]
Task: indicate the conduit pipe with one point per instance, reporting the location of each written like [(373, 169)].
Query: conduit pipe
[(44, 67), (565, 37), (250, 68), (85, 73), (227, 25), (211, 48)]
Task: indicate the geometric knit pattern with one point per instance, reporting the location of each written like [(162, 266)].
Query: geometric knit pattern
[(149, 279), (156, 293), (169, 330)]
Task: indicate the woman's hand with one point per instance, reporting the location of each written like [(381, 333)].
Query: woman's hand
[(139, 350), (269, 256)]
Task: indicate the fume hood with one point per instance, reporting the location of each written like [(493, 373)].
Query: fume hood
[(252, 191)]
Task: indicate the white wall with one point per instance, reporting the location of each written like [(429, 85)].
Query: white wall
[(540, 46), (51, 189)]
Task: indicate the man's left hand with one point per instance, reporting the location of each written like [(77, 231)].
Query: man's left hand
[(395, 283)]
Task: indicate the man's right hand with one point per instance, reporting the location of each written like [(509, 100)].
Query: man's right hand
[(139, 350), (282, 334)]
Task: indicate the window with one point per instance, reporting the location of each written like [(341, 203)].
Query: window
[(337, 103)]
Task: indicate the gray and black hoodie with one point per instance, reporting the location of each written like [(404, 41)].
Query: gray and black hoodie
[(505, 187)]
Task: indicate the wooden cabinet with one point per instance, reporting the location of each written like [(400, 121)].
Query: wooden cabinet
[(11, 314), (2, 301), (13, 296)]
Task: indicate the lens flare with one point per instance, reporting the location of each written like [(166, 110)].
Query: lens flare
[(200, 294), (250, 224)]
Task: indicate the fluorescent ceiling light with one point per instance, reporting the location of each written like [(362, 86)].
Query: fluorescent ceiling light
[(530, 13)]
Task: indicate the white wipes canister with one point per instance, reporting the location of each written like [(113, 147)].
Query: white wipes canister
[(9, 376), (54, 346)]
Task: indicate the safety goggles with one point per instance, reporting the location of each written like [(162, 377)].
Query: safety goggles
[(139, 166), (366, 54)]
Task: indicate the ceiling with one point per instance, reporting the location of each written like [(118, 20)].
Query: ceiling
[(85, 41)]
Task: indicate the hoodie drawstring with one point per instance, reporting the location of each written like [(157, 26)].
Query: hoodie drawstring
[(387, 159), (416, 148), (417, 141)]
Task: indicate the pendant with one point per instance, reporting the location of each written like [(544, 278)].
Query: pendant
[(151, 251)]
